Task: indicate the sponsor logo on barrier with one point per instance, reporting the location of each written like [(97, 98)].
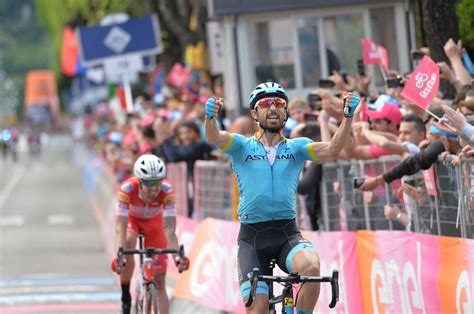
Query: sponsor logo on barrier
[(464, 302), (386, 276), (215, 266)]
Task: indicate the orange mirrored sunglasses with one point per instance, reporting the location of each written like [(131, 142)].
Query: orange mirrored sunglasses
[(267, 102)]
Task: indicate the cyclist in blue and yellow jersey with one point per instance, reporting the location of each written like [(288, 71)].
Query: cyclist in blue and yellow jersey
[(268, 166)]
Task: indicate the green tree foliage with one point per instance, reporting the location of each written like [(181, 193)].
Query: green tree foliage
[(465, 13), (56, 14), (23, 43)]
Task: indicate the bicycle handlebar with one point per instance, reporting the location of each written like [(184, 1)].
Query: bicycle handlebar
[(294, 278), (148, 252)]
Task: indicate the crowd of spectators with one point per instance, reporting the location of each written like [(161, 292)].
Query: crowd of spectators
[(171, 126)]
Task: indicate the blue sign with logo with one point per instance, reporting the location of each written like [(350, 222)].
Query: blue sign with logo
[(139, 35)]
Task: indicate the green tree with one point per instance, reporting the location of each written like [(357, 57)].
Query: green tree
[(465, 13)]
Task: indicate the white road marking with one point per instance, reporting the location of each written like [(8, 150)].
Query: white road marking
[(60, 219), (15, 178), (12, 221), (49, 289)]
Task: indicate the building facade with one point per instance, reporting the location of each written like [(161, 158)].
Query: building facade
[(296, 43)]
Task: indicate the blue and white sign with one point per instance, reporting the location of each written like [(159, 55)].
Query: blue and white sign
[(140, 35)]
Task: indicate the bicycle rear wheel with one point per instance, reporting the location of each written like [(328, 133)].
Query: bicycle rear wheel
[(150, 300)]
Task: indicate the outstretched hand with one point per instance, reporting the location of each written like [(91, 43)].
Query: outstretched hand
[(453, 122), (351, 101)]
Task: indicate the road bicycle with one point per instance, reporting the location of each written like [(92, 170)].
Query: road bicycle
[(146, 295), (287, 297)]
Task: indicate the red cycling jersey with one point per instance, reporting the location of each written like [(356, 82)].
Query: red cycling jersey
[(130, 201), (147, 217)]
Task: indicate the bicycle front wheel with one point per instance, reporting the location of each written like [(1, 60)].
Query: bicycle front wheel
[(151, 299), (138, 307)]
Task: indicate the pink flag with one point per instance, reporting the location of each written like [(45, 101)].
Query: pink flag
[(373, 53), (423, 84), (370, 53), (178, 76)]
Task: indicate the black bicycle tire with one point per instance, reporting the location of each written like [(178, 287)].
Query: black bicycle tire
[(152, 299)]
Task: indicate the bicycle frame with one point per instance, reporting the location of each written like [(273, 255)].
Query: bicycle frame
[(287, 297), (146, 296)]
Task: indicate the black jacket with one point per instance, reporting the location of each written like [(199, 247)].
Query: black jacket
[(420, 161)]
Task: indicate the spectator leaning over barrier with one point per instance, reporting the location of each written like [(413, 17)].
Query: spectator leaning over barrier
[(411, 133), (422, 160), (268, 166), (454, 121), (384, 123), (411, 165)]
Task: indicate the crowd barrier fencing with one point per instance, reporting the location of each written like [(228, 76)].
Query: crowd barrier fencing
[(177, 173), (445, 205)]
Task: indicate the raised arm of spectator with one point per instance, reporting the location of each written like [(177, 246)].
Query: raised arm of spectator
[(454, 53), (323, 120), (415, 109), (213, 134), (376, 138), (331, 149), (455, 122), (447, 73), (411, 165)]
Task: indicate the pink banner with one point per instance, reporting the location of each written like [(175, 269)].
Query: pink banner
[(337, 250), (398, 272), (423, 83), (380, 272), (430, 181)]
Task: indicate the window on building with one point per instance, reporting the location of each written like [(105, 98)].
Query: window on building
[(342, 34), (382, 23), (273, 52), (308, 40)]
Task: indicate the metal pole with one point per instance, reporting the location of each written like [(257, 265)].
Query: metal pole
[(128, 93), (366, 206), (387, 196), (438, 222), (325, 200)]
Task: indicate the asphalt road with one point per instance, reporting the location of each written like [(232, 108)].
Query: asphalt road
[(52, 257)]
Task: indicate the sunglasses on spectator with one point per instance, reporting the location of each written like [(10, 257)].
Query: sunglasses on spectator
[(151, 183), (267, 103)]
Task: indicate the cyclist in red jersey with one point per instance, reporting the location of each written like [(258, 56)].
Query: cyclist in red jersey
[(146, 202)]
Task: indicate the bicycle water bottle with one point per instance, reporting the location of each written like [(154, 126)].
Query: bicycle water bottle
[(149, 269)]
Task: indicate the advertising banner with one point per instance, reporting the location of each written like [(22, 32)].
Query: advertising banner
[(379, 271)]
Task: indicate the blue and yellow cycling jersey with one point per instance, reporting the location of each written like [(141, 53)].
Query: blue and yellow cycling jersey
[(267, 192)]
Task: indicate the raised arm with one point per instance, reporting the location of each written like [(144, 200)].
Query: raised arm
[(454, 53), (383, 142), (213, 134)]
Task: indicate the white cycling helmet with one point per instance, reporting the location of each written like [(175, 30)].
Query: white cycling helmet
[(149, 167)]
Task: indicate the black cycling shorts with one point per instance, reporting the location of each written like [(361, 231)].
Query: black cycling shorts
[(261, 242)]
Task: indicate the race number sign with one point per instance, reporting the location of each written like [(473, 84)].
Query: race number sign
[(423, 84)]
